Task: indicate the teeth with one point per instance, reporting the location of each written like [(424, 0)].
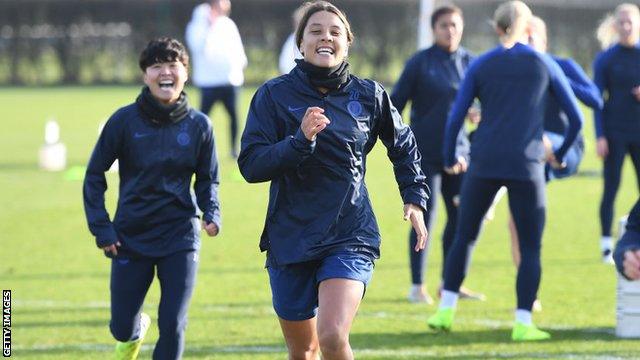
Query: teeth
[(324, 51)]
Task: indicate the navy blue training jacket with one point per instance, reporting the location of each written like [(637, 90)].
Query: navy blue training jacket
[(584, 89), (616, 71), (430, 80), (318, 201), (513, 86), (156, 215), (629, 242)]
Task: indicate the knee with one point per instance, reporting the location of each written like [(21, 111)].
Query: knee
[(308, 352), (121, 330), (333, 341)]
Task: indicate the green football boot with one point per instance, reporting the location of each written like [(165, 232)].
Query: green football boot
[(441, 320), (129, 350), (522, 332)]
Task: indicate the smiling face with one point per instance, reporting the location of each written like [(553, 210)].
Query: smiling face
[(166, 80), (324, 41), (447, 31)]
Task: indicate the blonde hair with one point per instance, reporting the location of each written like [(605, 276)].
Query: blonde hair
[(512, 18), (606, 32)]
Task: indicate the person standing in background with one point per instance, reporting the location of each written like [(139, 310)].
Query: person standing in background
[(218, 60), (290, 51), (513, 83), (616, 72), (430, 81)]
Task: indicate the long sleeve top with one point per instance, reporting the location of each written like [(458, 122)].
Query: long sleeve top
[(217, 53), (631, 239), (156, 214), (584, 89), (616, 72), (513, 86), (318, 201), (430, 80)]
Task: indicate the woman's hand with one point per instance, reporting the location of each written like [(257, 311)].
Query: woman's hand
[(551, 159), (415, 214), (473, 115), (457, 168), (313, 122), (112, 249), (631, 264), (602, 147), (210, 228)]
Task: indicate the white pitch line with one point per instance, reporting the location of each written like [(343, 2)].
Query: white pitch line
[(386, 353)]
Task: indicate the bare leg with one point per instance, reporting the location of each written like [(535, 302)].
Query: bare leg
[(301, 338), (338, 303)]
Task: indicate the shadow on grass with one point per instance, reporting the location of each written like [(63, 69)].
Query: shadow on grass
[(489, 336)]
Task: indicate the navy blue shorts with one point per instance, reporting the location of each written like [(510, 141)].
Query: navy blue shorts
[(294, 287)]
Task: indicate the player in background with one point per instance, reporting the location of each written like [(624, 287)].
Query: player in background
[(430, 80), (556, 123), (616, 72), (513, 83)]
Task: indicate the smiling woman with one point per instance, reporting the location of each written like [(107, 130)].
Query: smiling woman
[(160, 142), (308, 132)]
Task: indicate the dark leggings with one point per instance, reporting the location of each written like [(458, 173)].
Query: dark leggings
[(618, 149), (527, 204), (130, 281), (228, 95), (449, 186)]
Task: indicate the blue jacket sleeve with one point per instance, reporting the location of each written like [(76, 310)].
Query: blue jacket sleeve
[(402, 150), (265, 151), (599, 80), (106, 151), (584, 89), (562, 91), (455, 120), (404, 89), (207, 179)]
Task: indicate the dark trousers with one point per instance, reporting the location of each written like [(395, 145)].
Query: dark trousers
[(618, 149), (449, 186), (130, 281), (527, 204), (228, 94)]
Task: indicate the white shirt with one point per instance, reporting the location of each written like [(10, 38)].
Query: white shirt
[(288, 54), (217, 53)]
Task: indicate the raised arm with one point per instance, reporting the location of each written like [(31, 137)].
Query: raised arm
[(266, 153)]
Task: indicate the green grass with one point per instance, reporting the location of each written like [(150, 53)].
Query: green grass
[(60, 280)]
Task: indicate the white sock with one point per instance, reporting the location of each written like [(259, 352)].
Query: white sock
[(606, 243), (449, 299), (523, 316), (416, 288)]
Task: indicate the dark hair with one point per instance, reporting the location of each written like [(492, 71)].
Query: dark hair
[(164, 49), (442, 11), (317, 6)]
